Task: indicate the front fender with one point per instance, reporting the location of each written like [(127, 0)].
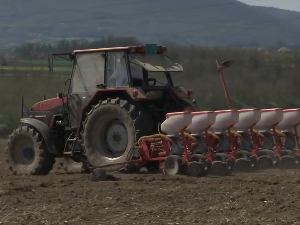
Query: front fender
[(44, 130)]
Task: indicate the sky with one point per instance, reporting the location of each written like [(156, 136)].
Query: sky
[(282, 4)]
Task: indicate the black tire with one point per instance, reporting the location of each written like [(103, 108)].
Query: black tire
[(201, 159), (269, 153), (27, 153), (71, 165), (127, 116)]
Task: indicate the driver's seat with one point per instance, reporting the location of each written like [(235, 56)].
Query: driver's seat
[(136, 82)]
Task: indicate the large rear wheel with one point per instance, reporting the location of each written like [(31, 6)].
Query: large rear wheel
[(111, 130), (27, 153)]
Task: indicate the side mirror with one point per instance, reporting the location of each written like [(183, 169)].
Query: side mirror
[(224, 64), (227, 64), (50, 63), (60, 95)]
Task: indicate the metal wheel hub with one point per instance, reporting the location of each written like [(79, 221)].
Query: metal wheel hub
[(172, 165), (117, 137), (27, 154)]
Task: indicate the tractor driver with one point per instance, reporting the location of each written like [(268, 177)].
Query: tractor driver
[(120, 74)]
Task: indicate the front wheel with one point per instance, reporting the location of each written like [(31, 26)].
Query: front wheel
[(27, 153)]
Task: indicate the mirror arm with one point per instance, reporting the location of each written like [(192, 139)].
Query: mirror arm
[(50, 63)]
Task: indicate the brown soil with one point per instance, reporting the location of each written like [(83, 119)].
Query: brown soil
[(269, 197)]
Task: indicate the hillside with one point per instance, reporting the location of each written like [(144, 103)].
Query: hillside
[(200, 22)]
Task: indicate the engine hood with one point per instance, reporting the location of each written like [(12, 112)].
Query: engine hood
[(48, 104)]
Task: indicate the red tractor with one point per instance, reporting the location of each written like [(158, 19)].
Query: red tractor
[(104, 111)]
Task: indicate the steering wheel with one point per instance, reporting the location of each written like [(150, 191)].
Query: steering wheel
[(111, 82), (151, 79)]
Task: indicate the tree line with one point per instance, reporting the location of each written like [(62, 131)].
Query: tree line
[(258, 78), (34, 51)]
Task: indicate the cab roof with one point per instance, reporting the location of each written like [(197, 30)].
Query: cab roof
[(133, 49)]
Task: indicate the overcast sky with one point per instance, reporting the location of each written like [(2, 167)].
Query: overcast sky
[(283, 4)]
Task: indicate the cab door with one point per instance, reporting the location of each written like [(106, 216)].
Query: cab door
[(88, 72)]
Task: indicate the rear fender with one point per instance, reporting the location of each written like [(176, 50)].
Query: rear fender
[(44, 130)]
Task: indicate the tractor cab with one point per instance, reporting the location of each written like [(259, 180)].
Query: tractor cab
[(137, 66), (143, 72)]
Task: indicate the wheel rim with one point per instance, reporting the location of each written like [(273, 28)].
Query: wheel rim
[(117, 137), (28, 155), (171, 165), (24, 152)]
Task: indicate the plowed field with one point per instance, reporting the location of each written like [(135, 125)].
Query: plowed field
[(268, 197)]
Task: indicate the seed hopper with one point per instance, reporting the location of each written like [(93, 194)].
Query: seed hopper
[(224, 146), (198, 138), (270, 150), (245, 135), (289, 142)]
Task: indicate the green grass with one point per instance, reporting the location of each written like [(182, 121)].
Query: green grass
[(34, 68), (45, 62), (32, 88)]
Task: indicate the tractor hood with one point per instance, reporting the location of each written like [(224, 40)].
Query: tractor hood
[(48, 104)]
